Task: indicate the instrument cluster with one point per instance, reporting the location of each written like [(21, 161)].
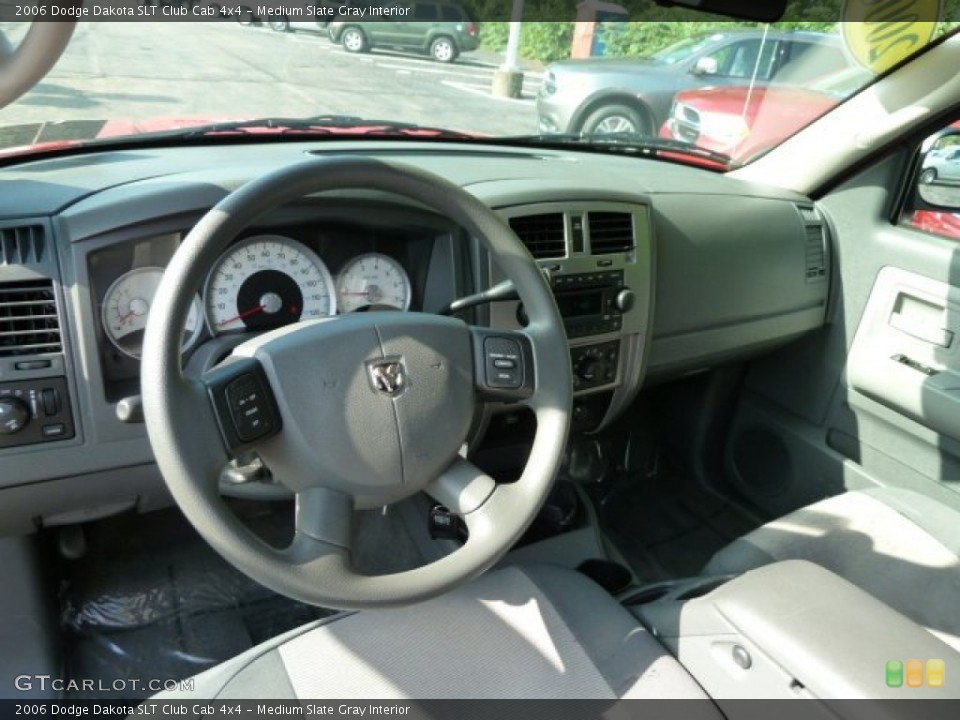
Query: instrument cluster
[(263, 281)]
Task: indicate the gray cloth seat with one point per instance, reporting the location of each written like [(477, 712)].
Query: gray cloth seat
[(898, 545), (537, 632)]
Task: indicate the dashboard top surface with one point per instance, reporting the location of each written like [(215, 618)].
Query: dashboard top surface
[(49, 186)]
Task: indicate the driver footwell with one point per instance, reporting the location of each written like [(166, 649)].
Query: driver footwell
[(150, 601)]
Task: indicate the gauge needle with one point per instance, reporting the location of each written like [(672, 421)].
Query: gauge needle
[(124, 318), (241, 316)]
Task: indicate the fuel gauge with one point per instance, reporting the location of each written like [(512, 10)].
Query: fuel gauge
[(127, 305)]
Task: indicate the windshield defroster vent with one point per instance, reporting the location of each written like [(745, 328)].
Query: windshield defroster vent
[(610, 232), (542, 234), (29, 324), (22, 245)]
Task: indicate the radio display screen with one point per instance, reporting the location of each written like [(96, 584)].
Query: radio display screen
[(580, 304)]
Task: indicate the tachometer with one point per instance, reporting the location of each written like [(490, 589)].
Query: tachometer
[(371, 282), (127, 304), (265, 282)]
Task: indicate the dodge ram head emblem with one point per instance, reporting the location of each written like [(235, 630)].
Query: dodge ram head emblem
[(387, 376)]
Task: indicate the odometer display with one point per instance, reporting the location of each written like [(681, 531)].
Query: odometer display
[(265, 282)]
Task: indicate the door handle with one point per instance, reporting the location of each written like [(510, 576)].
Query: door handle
[(940, 337)]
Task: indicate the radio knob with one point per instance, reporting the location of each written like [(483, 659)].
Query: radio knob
[(591, 369), (14, 415), (624, 300)]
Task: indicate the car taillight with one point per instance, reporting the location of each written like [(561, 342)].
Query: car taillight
[(472, 29)]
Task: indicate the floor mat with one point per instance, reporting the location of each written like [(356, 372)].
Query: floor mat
[(666, 526), (150, 600)]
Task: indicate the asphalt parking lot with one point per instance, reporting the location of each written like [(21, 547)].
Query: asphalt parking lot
[(221, 70)]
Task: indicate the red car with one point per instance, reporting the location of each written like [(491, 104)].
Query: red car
[(741, 121)]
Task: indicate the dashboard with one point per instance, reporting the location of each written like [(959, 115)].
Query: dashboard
[(659, 270)]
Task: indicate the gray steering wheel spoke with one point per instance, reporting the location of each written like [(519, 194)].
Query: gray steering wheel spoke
[(462, 488), (323, 521)]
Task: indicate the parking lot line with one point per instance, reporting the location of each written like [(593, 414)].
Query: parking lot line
[(484, 92)]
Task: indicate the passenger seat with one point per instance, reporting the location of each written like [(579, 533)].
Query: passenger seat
[(898, 545)]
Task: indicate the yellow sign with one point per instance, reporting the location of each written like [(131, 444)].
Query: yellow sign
[(881, 33)]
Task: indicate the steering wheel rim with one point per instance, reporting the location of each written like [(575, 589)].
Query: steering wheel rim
[(188, 441), (34, 57)]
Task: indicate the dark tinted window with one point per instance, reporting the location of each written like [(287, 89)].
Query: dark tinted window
[(425, 11), (451, 13)]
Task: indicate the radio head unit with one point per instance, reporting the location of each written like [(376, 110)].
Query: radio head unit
[(592, 303)]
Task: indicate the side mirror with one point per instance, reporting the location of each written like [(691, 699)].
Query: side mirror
[(938, 182), (706, 66)]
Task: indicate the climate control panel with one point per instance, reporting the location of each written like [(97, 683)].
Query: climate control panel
[(34, 411), (594, 365)]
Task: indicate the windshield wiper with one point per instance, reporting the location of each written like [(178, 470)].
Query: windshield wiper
[(321, 125), (628, 144)]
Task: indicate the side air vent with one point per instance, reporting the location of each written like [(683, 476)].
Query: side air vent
[(542, 234), (610, 232), (815, 267), (22, 245), (28, 318)]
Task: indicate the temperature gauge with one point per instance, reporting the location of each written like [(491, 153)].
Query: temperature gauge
[(373, 282), (127, 305)]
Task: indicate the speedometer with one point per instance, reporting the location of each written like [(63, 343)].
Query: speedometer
[(372, 282), (265, 282)]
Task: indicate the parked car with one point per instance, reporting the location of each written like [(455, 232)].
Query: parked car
[(444, 30), (742, 121), (944, 165), (634, 95)]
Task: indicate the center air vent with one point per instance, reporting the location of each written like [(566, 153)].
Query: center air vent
[(28, 318), (610, 232), (542, 234), (22, 245)]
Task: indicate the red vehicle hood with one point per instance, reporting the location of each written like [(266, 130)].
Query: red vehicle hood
[(771, 114), (786, 100), (38, 138)]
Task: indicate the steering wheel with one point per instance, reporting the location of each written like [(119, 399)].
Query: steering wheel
[(357, 411), (34, 57)]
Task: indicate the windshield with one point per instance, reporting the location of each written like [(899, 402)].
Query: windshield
[(680, 51), (442, 73)]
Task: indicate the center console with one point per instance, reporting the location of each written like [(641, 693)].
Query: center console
[(599, 257), (791, 630)]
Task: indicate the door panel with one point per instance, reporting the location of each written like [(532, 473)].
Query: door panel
[(839, 410)]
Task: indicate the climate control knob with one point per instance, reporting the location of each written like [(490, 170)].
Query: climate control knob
[(14, 415), (591, 369)]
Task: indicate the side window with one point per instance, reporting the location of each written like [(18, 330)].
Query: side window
[(424, 12), (739, 59), (934, 204)]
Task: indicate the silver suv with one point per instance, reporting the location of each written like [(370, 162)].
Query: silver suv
[(634, 95)]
